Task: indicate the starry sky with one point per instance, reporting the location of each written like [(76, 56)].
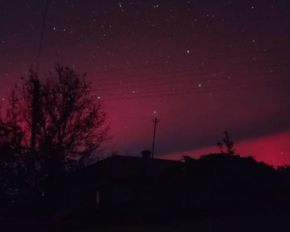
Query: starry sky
[(200, 66)]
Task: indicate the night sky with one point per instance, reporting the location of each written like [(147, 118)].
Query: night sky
[(201, 67)]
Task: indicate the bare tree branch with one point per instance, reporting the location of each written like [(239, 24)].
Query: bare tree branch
[(71, 122)]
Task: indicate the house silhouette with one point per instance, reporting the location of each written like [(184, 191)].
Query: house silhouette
[(120, 188), (142, 189)]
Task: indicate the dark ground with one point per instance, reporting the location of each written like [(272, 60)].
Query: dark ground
[(248, 223)]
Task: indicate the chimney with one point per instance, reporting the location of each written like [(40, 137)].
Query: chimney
[(146, 154)]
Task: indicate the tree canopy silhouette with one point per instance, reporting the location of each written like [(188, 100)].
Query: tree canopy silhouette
[(229, 144), (68, 119)]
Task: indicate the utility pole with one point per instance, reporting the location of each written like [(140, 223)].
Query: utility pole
[(156, 120), (34, 114)]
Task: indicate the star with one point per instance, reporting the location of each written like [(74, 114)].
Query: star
[(157, 54)]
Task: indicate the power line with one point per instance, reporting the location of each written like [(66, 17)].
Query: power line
[(135, 115), (131, 115), (189, 75), (282, 49), (188, 81), (216, 88), (181, 76), (152, 92), (42, 35), (128, 116), (185, 70), (175, 93), (35, 109)]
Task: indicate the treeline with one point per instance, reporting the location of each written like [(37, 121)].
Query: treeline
[(226, 183)]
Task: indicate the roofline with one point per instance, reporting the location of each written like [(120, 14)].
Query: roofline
[(121, 156)]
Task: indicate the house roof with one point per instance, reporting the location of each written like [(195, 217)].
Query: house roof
[(123, 167)]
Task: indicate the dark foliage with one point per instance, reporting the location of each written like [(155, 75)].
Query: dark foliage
[(70, 130), (228, 143), (234, 184)]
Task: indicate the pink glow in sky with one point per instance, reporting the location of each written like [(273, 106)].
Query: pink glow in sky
[(273, 150), (203, 66)]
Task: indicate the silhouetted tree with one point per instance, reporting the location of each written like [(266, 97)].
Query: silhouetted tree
[(12, 153), (283, 168), (229, 144), (71, 123), (187, 159)]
